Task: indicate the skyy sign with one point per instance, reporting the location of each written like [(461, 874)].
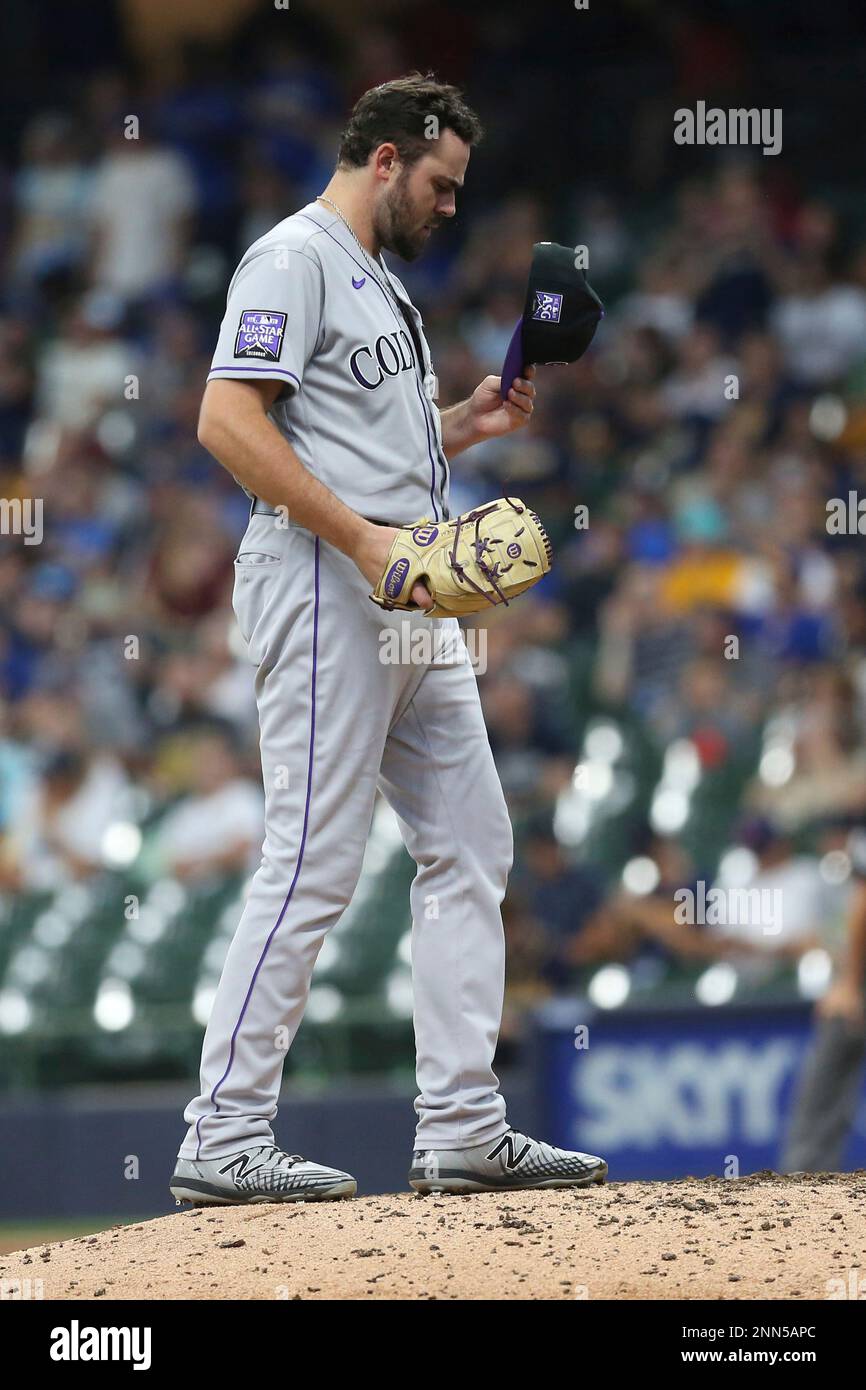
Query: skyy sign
[(665, 1094)]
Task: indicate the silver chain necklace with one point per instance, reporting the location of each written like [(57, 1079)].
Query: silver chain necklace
[(374, 267)]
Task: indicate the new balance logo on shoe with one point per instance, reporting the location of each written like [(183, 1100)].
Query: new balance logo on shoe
[(240, 1167), (262, 1173), (507, 1142), (523, 1163)]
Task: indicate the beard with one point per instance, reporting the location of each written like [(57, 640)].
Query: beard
[(396, 226)]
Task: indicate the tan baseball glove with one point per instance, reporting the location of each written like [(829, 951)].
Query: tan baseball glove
[(483, 557)]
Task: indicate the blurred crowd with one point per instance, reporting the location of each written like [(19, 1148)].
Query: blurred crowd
[(699, 604)]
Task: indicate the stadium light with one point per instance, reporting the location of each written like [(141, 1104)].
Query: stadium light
[(16, 1014), (114, 1009), (610, 987), (717, 985), (641, 876)]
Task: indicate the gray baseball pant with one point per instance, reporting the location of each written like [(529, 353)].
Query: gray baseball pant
[(338, 722)]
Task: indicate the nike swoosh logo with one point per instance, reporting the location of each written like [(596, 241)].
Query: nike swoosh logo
[(359, 284)]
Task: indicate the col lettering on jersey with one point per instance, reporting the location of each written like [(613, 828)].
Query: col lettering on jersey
[(358, 406), (390, 354)]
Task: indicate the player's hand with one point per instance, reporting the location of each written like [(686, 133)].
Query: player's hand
[(491, 416), (371, 558), (844, 999)]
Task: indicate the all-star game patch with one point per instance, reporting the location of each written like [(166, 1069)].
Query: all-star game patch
[(547, 307), (260, 334)]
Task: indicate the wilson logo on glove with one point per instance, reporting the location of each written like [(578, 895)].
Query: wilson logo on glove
[(482, 558), (395, 578)]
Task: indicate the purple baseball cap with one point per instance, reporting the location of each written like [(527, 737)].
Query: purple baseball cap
[(560, 315)]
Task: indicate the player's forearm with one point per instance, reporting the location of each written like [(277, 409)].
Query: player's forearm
[(458, 429), (252, 449)]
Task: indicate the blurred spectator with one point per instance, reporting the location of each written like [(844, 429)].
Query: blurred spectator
[(530, 745), (16, 388), (785, 907), (821, 325), (218, 824), (191, 565), (642, 646), (661, 301), (266, 196), (696, 389), (820, 769), (84, 370), (141, 208), (562, 900), (61, 820), (798, 908), (52, 195)]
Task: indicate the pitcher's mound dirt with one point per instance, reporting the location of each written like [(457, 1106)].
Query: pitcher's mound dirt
[(763, 1236)]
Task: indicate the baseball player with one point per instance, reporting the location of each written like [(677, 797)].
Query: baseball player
[(321, 403)]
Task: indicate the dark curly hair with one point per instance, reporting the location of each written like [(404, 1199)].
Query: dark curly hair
[(400, 112)]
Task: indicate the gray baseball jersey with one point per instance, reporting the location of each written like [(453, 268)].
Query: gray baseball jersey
[(342, 717), (305, 308)]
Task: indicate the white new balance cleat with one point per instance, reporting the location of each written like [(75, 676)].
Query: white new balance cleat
[(262, 1173), (510, 1162)]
